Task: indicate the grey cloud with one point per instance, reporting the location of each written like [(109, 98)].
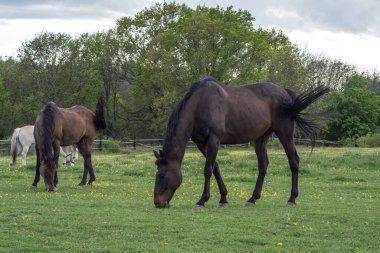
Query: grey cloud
[(68, 9), (351, 16)]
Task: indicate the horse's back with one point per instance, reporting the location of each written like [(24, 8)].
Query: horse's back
[(69, 125), (26, 135), (77, 123), (237, 114)]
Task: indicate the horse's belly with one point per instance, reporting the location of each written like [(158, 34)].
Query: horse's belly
[(68, 140), (243, 132)]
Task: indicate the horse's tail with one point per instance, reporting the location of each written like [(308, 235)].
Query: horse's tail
[(301, 102), (48, 125), (15, 143), (100, 121)]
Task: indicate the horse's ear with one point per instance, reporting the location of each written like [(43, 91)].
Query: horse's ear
[(156, 154)]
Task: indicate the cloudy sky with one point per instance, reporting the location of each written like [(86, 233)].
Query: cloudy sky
[(348, 30)]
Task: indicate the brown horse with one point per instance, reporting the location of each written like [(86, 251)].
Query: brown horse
[(55, 127), (211, 114)]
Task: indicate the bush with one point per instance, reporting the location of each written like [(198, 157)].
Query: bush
[(370, 140)]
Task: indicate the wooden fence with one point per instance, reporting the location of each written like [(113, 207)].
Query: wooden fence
[(119, 145)]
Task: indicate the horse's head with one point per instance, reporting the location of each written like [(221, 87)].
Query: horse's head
[(47, 170), (75, 154), (168, 179)]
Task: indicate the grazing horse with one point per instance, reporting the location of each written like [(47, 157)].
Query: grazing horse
[(211, 113), (55, 127), (22, 139)]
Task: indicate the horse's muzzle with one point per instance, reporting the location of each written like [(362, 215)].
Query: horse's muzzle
[(162, 205)]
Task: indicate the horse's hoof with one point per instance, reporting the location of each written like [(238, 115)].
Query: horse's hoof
[(55, 189), (198, 206), (290, 204), (33, 187), (248, 203), (79, 187), (223, 205)]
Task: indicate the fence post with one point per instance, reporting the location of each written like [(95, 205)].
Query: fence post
[(134, 143)]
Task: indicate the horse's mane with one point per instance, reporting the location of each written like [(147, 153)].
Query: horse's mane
[(174, 117), (48, 128)]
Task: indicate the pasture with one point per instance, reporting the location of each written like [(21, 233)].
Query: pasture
[(338, 207)]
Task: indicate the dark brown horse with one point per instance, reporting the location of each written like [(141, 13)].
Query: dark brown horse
[(211, 114), (55, 127)]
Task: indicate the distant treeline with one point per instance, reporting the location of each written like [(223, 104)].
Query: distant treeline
[(146, 63)]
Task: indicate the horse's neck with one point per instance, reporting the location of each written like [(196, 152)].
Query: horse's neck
[(179, 141), (177, 150)]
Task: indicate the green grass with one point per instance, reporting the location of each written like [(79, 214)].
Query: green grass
[(338, 207)]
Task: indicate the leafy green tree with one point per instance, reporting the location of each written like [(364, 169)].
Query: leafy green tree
[(46, 57), (20, 101), (145, 65), (357, 109), (175, 45), (5, 112)]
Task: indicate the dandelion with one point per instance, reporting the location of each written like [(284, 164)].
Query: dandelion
[(292, 221), (280, 244)]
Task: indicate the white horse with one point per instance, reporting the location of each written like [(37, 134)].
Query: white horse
[(21, 141), (23, 138)]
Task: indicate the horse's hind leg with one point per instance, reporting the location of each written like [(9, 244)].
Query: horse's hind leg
[(216, 171), (90, 169), (85, 150), (293, 158), (263, 162), (24, 152)]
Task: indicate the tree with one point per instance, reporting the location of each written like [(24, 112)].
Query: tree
[(176, 45), (5, 112), (46, 57), (145, 65), (321, 70), (101, 68), (357, 109)]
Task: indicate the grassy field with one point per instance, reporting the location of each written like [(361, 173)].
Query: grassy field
[(338, 207)]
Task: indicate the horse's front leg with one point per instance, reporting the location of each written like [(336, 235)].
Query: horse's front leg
[(222, 188), (56, 147), (216, 171), (212, 151), (38, 164)]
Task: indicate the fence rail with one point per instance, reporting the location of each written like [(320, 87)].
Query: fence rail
[(115, 145)]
